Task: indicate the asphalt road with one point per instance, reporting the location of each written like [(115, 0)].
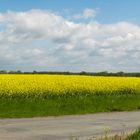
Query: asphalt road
[(66, 127)]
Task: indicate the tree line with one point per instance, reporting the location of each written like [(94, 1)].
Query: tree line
[(103, 73)]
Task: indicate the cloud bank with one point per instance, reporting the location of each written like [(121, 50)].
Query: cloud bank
[(43, 40)]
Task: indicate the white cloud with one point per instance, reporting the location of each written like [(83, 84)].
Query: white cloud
[(43, 40), (86, 14)]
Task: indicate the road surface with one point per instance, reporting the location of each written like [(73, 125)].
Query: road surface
[(66, 127)]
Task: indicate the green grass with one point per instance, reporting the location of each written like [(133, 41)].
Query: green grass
[(123, 136), (134, 136), (66, 105)]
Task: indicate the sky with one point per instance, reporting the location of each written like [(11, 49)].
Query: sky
[(75, 35)]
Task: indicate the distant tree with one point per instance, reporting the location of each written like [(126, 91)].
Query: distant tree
[(19, 71), (103, 73), (121, 73), (34, 72), (3, 71), (82, 73)]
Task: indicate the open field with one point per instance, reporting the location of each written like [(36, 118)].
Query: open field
[(45, 95)]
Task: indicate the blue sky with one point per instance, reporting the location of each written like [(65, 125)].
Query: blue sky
[(110, 10), (75, 35)]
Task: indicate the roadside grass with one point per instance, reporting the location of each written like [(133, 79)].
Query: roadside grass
[(123, 136), (134, 136), (19, 107)]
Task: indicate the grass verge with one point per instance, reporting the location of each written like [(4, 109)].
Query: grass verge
[(123, 136), (18, 107), (134, 136)]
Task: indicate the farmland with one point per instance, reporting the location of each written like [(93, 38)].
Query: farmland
[(44, 95)]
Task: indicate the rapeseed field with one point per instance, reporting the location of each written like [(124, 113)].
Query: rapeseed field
[(47, 85)]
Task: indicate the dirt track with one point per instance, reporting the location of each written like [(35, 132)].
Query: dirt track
[(66, 127)]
